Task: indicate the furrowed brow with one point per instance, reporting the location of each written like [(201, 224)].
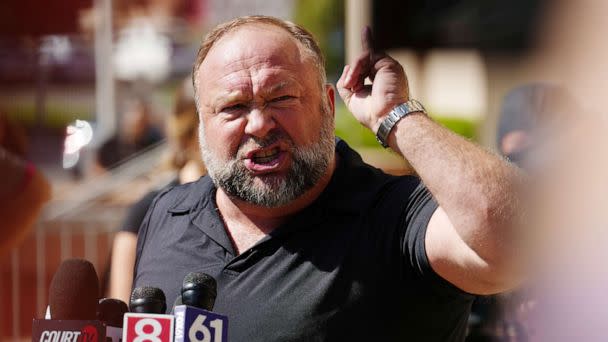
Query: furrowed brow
[(277, 87), (228, 97)]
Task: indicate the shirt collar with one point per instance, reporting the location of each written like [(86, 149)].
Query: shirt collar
[(341, 197), (199, 204)]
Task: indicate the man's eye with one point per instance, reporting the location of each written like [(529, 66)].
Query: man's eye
[(283, 98), (235, 107)]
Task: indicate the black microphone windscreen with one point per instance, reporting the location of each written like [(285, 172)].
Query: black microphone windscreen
[(74, 291), (199, 290), (111, 311), (147, 299)]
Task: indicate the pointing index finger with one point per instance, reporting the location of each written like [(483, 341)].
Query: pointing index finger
[(367, 42)]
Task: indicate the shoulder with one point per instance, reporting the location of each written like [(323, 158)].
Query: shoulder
[(170, 206), (177, 200), (185, 196), (137, 211), (368, 186)]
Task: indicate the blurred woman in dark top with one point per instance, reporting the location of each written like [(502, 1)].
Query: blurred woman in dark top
[(184, 157)]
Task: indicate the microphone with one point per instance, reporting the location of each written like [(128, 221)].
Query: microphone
[(147, 321), (147, 299), (74, 291), (111, 312), (73, 297), (199, 290), (194, 320)]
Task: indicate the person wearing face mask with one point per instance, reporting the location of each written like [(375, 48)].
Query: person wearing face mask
[(527, 116), (529, 121)]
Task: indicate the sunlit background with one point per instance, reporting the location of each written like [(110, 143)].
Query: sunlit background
[(76, 73)]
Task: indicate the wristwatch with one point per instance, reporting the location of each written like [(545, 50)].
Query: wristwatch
[(394, 116)]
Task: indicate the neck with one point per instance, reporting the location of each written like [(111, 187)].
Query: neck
[(266, 219)]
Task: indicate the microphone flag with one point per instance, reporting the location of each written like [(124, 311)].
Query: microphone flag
[(198, 325), (59, 330), (139, 327)]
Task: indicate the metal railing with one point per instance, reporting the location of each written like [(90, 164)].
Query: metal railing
[(80, 222)]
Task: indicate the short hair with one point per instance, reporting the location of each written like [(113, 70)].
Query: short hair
[(299, 33)]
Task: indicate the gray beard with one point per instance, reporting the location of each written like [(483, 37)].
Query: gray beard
[(309, 164)]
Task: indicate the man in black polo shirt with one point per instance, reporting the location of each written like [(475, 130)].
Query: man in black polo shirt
[(305, 240)]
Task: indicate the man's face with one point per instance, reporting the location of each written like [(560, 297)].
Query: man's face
[(266, 132)]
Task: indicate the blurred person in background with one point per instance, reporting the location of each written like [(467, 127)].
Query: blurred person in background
[(529, 112), (184, 157), (137, 131), (528, 121), (23, 190), (571, 197)]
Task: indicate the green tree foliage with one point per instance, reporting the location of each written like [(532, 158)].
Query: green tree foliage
[(325, 20)]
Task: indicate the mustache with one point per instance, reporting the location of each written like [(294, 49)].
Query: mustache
[(254, 142)]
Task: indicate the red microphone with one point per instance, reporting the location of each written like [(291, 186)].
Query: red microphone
[(73, 297)]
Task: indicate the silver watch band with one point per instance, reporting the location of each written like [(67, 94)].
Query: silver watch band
[(394, 116)]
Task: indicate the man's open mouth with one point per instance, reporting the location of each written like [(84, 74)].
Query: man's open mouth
[(266, 160), (265, 157)]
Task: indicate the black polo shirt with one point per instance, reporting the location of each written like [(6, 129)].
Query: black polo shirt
[(350, 267)]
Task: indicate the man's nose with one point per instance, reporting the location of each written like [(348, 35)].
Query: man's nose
[(259, 122)]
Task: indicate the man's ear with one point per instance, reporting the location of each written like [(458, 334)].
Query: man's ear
[(330, 94)]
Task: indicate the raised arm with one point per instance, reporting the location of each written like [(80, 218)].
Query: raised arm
[(468, 239)]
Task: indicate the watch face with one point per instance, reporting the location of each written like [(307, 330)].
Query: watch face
[(394, 116)]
